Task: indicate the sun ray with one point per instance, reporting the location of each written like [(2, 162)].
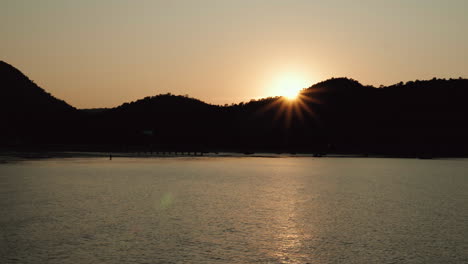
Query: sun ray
[(289, 113), (298, 111)]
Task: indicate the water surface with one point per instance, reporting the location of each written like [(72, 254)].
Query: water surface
[(234, 210)]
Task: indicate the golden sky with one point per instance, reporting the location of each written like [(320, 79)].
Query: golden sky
[(103, 53)]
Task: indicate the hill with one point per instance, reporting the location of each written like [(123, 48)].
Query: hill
[(339, 115), (29, 114), (20, 94)]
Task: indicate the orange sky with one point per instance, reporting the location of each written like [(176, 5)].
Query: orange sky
[(103, 53)]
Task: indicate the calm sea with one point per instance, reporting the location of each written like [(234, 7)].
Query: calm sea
[(234, 210)]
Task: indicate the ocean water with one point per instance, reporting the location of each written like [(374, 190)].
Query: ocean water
[(234, 210)]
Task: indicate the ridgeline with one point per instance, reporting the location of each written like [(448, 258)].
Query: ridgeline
[(339, 115)]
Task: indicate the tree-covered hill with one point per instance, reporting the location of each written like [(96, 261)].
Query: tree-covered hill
[(29, 114), (338, 115)]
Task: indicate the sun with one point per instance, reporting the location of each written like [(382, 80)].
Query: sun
[(289, 86), (290, 94)]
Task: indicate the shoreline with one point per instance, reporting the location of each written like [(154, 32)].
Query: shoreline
[(18, 156)]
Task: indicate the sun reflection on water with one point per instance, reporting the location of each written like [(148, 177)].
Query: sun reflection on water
[(286, 229), (289, 243)]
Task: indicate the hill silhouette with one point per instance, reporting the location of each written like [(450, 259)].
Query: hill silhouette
[(19, 93), (339, 115), (29, 114)]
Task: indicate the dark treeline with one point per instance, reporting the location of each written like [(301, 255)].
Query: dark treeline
[(420, 118)]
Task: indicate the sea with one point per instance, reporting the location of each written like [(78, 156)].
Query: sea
[(275, 209)]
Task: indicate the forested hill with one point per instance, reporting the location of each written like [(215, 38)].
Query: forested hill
[(338, 115), (20, 94), (28, 113)]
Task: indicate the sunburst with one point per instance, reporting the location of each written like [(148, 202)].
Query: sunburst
[(289, 108)]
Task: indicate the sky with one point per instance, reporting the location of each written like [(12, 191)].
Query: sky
[(102, 53)]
